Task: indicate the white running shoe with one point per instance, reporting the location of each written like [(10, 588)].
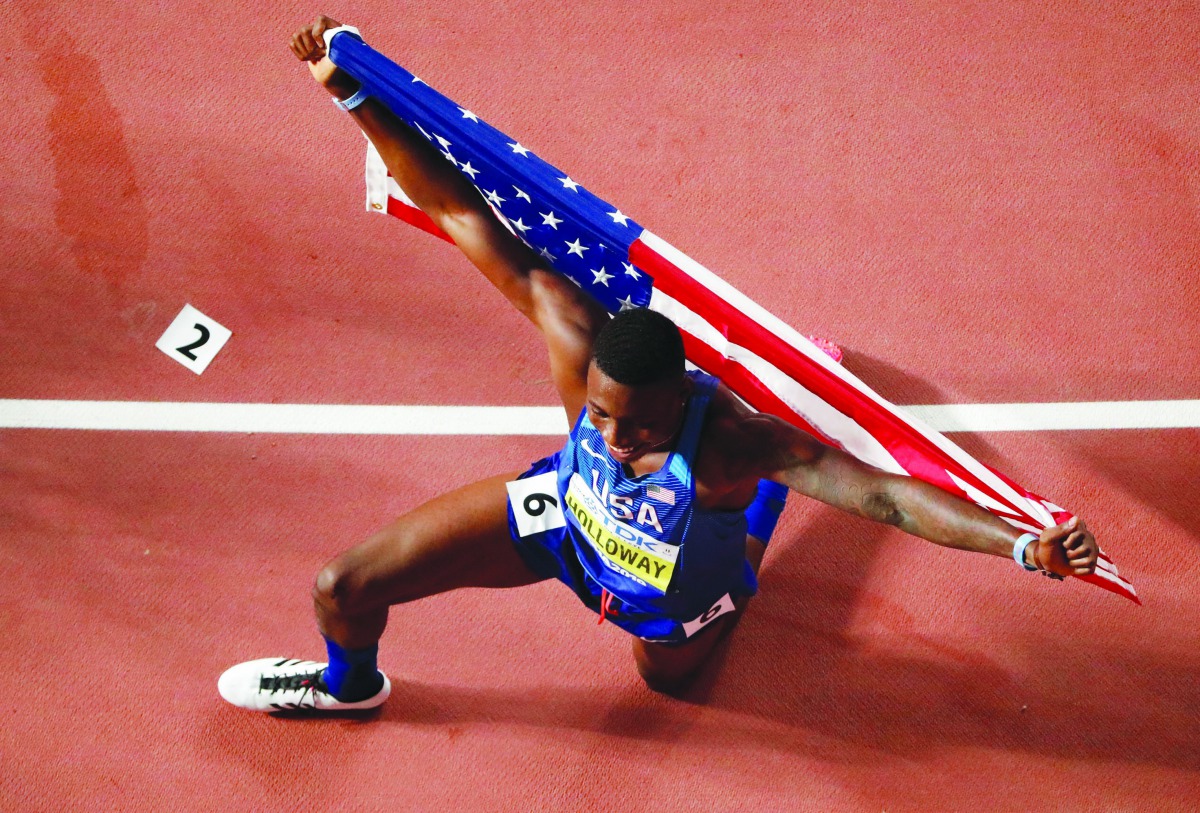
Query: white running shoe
[(286, 684)]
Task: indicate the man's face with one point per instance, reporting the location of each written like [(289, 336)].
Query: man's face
[(634, 420)]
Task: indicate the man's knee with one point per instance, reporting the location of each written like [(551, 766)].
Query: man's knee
[(382, 571), (668, 670), (344, 586), (332, 588), (665, 680)]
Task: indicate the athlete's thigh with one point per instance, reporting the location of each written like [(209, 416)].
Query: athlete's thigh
[(669, 665), (460, 539)]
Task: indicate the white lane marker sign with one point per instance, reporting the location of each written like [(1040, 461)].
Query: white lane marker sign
[(193, 339)]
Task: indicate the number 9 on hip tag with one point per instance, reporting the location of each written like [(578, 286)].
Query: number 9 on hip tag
[(193, 339)]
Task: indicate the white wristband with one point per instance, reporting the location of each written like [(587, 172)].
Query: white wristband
[(1023, 542), (328, 35), (360, 96)]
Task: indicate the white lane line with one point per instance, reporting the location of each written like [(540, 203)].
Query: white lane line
[(309, 419), (1066, 416), (345, 419)]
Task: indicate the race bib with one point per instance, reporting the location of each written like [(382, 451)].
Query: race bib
[(621, 546), (724, 605), (535, 505)]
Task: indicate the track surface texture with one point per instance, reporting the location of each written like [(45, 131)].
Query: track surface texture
[(981, 204)]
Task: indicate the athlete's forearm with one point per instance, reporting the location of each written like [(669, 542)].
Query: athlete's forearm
[(929, 512), (432, 182)]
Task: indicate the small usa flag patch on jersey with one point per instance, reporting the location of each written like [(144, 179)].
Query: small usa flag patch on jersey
[(661, 494)]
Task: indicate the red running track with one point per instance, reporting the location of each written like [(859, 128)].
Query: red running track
[(980, 207)]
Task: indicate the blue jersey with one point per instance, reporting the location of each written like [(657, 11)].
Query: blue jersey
[(644, 539)]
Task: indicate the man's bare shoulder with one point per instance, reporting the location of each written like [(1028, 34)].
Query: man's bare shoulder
[(738, 446)]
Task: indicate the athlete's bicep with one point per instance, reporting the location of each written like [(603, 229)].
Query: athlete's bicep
[(567, 317), (825, 473), (569, 320), (497, 253)]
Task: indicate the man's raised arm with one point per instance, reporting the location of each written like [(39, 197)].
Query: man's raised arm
[(568, 318)]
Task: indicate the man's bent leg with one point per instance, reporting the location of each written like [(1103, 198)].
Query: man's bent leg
[(667, 668), (460, 539)]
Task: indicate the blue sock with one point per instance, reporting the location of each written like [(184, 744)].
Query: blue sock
[(353, 674), (763, 513)]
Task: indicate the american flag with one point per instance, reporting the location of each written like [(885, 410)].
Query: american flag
[(660, 493), (623, 265)]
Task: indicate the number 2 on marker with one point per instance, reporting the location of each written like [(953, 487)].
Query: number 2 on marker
[(187, 349)]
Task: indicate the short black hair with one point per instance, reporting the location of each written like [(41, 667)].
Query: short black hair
[(639, 346)]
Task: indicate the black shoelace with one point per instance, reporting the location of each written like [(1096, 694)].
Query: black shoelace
[(305, 682)]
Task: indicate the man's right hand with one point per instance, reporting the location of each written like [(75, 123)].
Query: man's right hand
[(308, 44), (1068, 549)]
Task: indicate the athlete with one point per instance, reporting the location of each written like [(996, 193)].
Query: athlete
[(643, 513)]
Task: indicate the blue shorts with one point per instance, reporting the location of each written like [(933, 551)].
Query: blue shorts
[(551, 555)]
